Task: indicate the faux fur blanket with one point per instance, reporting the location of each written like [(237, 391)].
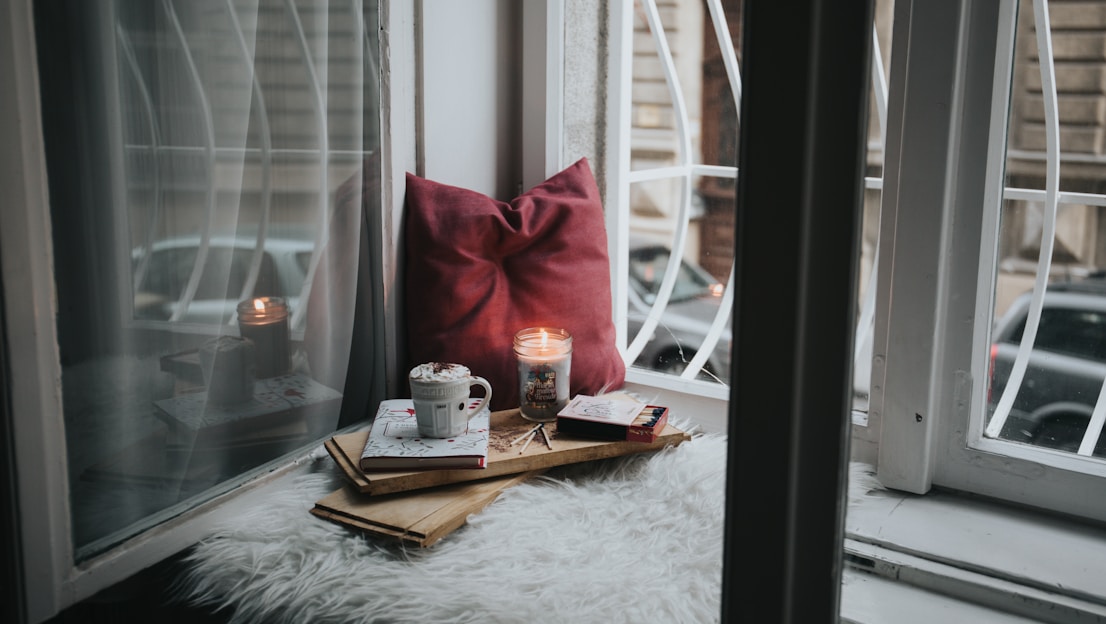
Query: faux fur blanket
[(634, 539)]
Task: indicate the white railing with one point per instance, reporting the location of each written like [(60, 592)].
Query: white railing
[(686, 170), (682, 171)]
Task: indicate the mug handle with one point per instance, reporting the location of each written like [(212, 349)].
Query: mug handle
[(480, 381)]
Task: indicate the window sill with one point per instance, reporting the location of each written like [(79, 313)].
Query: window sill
[(708, 412), (1015, 561)]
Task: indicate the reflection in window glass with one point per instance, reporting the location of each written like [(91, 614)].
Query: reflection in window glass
[(203, 154)]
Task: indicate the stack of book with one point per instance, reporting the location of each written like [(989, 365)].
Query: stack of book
[(283, 408), (427, 488)]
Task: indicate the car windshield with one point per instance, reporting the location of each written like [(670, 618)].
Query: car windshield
[(647, 267), (1079, 333)]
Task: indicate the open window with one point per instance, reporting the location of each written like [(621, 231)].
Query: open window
[(977, 381)]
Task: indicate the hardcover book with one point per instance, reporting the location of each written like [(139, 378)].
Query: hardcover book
[(394, 441), (419, 518)]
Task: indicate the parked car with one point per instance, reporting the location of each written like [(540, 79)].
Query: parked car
[(1066, 368), (696, 298), (283, 269)]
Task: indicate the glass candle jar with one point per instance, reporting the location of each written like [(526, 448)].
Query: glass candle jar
[(264, 321), (544, 364)]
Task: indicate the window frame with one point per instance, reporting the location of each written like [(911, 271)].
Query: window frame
[(947, 104)]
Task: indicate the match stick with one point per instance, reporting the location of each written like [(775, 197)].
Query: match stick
[(533, 432), (528, 432), (546, 436)]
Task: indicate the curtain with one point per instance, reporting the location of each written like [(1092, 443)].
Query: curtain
[(213, 164)]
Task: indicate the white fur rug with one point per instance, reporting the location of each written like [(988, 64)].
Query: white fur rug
[(636, 539)]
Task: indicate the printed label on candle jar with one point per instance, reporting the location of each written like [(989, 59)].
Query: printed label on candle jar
[(541, 385)]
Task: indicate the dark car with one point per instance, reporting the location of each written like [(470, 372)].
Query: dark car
[(1066, 368), (695, 300)]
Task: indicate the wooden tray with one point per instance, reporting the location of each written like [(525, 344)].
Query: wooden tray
[(503, 459), (417, 518)]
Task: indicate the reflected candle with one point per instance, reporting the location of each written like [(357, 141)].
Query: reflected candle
[(264, 321), (544, 366)]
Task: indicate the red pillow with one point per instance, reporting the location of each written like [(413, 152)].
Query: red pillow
[(479, 270)]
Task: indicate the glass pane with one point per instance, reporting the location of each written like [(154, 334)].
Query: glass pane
[(683, 101), (653, 134), (684, 127), (1063, 367), (211, 165)]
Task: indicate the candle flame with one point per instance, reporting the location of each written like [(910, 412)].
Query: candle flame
[(544, 339), (259, 305)]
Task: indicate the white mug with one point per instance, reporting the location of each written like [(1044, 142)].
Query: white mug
[(440, 393)]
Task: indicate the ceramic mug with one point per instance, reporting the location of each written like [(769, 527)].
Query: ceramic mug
[(441, 393)]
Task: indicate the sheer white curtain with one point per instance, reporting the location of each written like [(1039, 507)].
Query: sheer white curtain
[(205, 154)]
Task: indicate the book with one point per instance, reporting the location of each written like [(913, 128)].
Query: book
[(394, 441), (417, 518), (284, 395), (503, 457), (612, 419)]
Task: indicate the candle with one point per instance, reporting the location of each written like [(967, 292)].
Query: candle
[(544, 365), (264, 321)]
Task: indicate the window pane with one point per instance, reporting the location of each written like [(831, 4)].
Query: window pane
[(202, 155), (683, 173), (683, 153), (1054, 382)]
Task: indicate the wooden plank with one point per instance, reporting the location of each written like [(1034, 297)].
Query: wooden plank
[(419, 518), (503, 459)]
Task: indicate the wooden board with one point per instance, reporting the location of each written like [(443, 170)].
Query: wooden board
[(419, 518), (503, 458)]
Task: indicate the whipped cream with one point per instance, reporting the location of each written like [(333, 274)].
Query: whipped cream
[(440, 371)]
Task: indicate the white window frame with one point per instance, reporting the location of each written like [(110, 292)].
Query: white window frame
[(933, 319)]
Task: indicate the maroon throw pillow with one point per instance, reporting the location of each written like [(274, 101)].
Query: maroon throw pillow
[(478, 270)]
